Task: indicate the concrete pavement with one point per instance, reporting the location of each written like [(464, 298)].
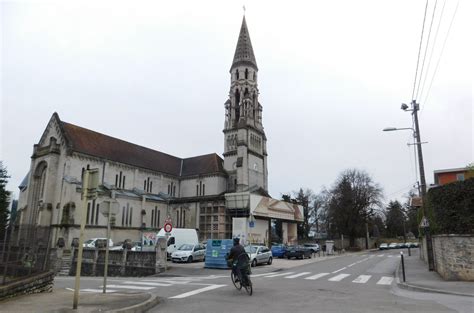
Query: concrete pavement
[(418, 278)]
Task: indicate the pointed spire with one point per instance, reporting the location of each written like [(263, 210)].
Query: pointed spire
[(244, 51)]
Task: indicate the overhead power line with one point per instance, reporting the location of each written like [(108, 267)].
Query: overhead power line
[(441, 54), (419, 51), (426, 49), (431, 54)]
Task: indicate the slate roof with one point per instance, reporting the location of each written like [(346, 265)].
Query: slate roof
[(244, 51), (95, 144)]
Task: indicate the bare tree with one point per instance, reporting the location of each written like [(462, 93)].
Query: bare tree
[(351, 202)]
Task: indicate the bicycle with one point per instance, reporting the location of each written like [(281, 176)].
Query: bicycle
[(244, 281)]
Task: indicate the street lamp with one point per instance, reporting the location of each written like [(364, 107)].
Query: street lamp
[(416, 134)]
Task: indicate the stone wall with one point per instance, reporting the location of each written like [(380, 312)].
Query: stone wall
[(121, 263), (33, 284), (454, 256)]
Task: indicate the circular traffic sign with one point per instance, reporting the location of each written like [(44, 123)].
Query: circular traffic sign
[(168, 227)]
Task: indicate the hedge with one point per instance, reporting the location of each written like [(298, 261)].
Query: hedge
[(452, 207)]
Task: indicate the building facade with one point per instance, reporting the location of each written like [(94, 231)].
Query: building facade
[(149, 186)]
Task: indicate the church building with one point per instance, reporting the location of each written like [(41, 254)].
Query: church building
[(219, 197)]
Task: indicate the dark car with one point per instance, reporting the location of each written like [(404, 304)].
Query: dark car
[(278, 250), (299, 252)]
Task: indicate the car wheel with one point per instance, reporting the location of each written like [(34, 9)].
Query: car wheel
[(190, 259), (270, 260), (254, 262)]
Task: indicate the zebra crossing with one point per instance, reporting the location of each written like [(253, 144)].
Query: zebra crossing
[(335, 276), (151, 284)]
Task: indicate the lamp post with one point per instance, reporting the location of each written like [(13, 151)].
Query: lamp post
[(416, 134)]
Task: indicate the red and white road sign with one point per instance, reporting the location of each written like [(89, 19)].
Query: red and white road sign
[(168, 227)]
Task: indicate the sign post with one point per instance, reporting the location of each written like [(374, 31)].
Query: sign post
[(168, 227), (90, 183), (108, 209)]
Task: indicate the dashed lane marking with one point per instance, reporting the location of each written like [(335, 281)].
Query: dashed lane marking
[(197, 291), (314, 277), (130, 287), (146, 283), (341, 269)]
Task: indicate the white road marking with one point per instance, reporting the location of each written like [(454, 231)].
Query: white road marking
[(275, 275), (362, 279), (314, 277), (298, 275), (172, 282), (385, 280), (258, 275), (93, 290), (350, 265), (195, 292), (389, 256), (380, 255), (130, 287), (146, 283), (341, 269), (338, 277)]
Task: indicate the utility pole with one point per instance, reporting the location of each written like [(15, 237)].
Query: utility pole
[(429, 243)]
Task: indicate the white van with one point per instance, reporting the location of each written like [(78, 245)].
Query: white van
[(178, 237)]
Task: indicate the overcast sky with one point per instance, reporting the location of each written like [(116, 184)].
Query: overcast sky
[(332, 75)]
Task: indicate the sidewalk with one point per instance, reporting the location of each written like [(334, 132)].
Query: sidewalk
[(60, 301), (418, 278)]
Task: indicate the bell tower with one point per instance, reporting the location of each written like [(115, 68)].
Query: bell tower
[(245, 151)]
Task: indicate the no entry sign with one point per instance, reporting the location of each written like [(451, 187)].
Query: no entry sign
[(168, 227)]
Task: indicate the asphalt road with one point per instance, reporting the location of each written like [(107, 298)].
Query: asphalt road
[(350, 283)]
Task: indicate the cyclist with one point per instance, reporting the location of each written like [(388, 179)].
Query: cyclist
[(239, 258)]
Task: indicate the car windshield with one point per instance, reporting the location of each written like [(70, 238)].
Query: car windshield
[(251, 249), (89, 241), (186, 247)]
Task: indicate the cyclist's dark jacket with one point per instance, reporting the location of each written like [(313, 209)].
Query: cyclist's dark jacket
[(235, 251)]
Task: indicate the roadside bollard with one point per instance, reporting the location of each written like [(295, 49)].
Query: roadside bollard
[(409, 251), (403, 265)]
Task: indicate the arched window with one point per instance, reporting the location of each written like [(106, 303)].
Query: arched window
[(246, 73), (237, 103), (237, 74)]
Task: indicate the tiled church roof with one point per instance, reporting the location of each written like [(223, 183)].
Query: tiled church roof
[(243, 50), (99, 145)]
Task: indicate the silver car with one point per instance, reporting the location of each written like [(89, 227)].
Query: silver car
[(259, 255), (189, 253)]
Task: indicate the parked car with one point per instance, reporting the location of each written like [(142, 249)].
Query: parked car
[(97, 243), (136, 246), (298, 252), (393, 245), (259, 255), (313, 246), (278, 250), (383, 246), (189, 253)]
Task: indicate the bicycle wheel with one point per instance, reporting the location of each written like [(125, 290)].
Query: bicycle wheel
[(248, 286), (237, 284)]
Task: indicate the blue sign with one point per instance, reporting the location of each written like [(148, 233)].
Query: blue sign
[(251, 224)]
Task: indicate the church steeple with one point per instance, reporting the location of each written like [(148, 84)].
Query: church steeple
[(243, 51), (245, 145)]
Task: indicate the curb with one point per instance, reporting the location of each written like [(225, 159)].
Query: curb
[(425, 289), (141, 307)]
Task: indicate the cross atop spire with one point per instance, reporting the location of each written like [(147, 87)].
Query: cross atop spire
[(244, 51)]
